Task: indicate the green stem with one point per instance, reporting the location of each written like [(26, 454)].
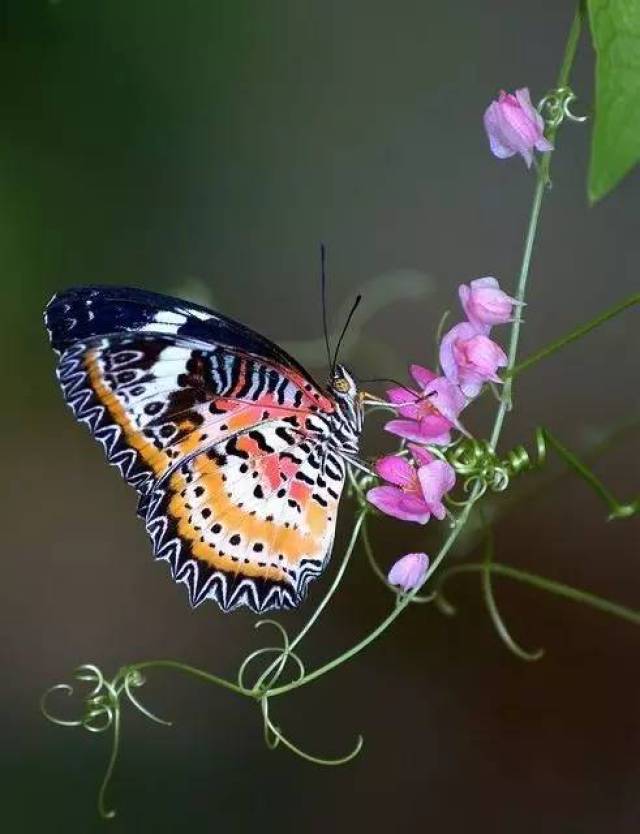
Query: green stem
[(195, 672), (492, 606), (578, 333), (549, 585), (113, 758), (375, 567), (514, 338), (570, 48)]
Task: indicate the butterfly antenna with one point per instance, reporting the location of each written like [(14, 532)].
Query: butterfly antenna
[(323, 284), (404, 387), (344, 330), (388, 379)]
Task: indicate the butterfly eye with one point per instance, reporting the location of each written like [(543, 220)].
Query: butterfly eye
[(341, 385)]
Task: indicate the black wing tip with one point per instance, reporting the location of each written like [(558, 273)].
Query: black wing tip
[(83, 312)]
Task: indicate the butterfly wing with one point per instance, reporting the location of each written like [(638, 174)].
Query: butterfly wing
[(251, 520), (161, 383)]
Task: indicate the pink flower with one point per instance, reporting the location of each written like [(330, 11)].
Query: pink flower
[(409, 572), (470, 359), (485, 304), (429, 413), (413, 493), (514, 126)]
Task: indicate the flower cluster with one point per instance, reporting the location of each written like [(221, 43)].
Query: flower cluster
[(417, 479)]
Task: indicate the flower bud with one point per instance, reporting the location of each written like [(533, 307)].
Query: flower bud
[(513, 126), (470, 359), (409, 571), (485, 304)]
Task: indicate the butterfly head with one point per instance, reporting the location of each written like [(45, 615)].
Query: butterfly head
[(343, 383), (348, 409)]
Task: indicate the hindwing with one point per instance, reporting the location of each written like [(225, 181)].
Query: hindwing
[(251, 520)]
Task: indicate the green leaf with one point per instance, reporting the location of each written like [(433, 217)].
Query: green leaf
[(615, 146)]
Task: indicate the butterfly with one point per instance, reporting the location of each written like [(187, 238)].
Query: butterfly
[(238, 456)]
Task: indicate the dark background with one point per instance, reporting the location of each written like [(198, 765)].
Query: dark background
[(204, 149)]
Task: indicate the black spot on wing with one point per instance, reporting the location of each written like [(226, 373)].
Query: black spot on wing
[(260, 440), (231, 448), (285, 435)]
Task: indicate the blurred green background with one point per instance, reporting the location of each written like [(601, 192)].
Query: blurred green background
[(204, 148)]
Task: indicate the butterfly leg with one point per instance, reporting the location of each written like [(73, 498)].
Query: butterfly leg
[(360, 466)]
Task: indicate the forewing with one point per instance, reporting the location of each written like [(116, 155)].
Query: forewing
[(85, 313), (250, 521), (151, 389)]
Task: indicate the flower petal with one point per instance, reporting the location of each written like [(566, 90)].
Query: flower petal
[(466, 296), (488, 282), (401, 396), (493, 128), (396, 470), (409, 429), (421, 455), (522, 118), (523, 97), (448, 362), (471, 386), (404, 400), (394, 502), (543, 144), (422, 376), (436, 479), (433, 429), (485, 354), (446, 398)]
